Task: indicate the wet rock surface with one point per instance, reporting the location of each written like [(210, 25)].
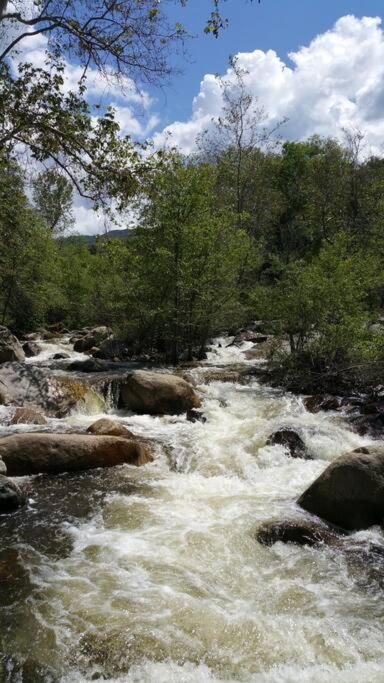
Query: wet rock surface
[(11, 496), (350, 491), (290, 440), (28, 416), (297, 532), (105, 427), (31, 349)]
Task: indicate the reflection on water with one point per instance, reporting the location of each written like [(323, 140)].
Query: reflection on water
[(153, 574)]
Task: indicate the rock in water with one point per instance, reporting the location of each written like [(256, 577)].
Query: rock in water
[(11, 496), (300, 533), (158, 394), (3, 469), (31, 349), (28, 385), (28, 416), (291, 441), (35, 453), (350, 491), (10, 347), (106, 427)]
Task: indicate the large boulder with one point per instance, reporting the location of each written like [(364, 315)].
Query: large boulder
[(350, 491), (35, 453), (106, 427), (290, 440), (158, 393), (10, 347), (11, 496), (23, 384)]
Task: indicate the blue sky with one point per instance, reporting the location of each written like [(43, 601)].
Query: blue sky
[(317, 63), (280, 25)]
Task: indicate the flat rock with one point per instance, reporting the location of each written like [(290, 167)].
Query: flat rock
[(35, 453)]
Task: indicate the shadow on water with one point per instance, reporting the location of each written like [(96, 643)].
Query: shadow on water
[(30, 538)]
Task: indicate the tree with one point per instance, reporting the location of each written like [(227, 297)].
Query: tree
[(53, 196), (27, 255), (189, 258)]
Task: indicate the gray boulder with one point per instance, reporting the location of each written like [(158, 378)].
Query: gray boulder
[(10, 347), (11, 497)]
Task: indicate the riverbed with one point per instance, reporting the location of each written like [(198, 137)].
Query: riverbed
[(154, 575)]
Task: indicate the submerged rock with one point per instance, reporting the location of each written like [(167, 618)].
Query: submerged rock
[(28, 416), (158, 393), (35, 453), (31, 349), (350, 491), (10, 347), (291, 441), (61, 356), (11, 496), (106, 427), (300, 533), (194, 415)]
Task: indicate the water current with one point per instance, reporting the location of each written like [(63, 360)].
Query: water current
[(154, 575)]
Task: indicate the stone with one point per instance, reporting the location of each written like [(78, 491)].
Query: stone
[(35, 453), (3, 468), (106, 427), (291, 441), (31, 349), (28, 416), (61, 356), (194, 415), (298, 532), (350, 491), (88, 365), (92, 338), (322, 402), (11, 496), (158, 393), (28, 385), (10, 347)]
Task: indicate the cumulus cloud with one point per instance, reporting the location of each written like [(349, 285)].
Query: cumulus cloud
[(335, 82)]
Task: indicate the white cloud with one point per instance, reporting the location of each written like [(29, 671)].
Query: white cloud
[(336, 82)]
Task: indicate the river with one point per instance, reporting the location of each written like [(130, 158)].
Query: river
[(153, 574)]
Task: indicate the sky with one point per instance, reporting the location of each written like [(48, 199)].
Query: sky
[(317, 63)]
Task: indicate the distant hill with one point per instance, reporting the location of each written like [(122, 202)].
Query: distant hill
[(112, 234)]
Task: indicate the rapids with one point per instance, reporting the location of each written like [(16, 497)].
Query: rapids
[(154, 575)]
